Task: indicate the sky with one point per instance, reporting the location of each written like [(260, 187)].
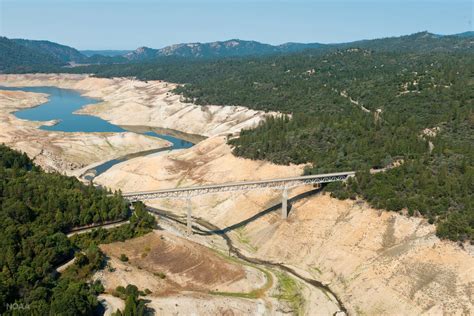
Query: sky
[(127, 24)]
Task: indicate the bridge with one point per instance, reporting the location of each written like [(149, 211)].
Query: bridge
[(282, 184)]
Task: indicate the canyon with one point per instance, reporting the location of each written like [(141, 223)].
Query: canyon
[(377, 262)]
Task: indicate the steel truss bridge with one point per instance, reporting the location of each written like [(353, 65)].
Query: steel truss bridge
[(282, 184)]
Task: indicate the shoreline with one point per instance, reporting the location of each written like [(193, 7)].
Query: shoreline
[(59, 150), (151, 104), (156, 105)]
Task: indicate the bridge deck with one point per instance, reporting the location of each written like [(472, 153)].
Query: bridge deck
[(241, 185)]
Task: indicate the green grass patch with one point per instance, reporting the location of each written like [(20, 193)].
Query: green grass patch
[(254, 294), (243, 239), (108, 143), (290, 291), (317, 270)]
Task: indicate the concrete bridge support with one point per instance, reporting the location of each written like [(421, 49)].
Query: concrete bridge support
[(189, 229), (284, 203)]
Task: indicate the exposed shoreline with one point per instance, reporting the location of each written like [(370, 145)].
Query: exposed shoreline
[(152, 104), (133, 104), (211, 229), (378, 262)]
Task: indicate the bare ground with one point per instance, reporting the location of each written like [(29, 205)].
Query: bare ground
[(378, 262), (152, 103), (62, 151), (188, 266), (185, 277)]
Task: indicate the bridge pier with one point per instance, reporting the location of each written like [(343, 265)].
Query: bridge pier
[(284, 203), (189, 229)]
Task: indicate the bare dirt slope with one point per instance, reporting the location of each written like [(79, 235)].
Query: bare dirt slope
[(380, 262), (377, 262), (187, 266), (61, 151), (133, 102), (180, 275), (201, 304), (193, 304), (210, 161)]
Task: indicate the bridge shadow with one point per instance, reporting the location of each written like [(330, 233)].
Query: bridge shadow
[(212, 229), (273, 208)]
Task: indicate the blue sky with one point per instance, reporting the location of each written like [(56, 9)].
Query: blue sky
[(127, 24)]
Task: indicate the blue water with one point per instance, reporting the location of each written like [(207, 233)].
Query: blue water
[(61, 106)]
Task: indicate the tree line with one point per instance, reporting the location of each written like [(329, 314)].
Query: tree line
[(351, 109), (37, 209)]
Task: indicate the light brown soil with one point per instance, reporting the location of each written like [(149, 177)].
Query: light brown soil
[(112, 304), (181, 275), (187, 266), (133, 102), (210, 161), (201, 304), (377, 262), (61, 151), (124, 102)]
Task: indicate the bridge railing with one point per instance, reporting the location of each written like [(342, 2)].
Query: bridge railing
[(279, 183)]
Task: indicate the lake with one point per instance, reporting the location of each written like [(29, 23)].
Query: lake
[(61, 105)]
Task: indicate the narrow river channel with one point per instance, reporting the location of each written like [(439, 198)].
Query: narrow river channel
[(61, 105), (211, 229)]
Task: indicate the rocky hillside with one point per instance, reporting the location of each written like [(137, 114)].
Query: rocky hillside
[(22, 55), (230, 48), (422, 41)]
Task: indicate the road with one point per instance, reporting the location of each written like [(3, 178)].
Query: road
[(83, 230)]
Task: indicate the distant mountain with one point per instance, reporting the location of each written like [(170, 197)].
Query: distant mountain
[(297, 47), (107, 53), (230, 48), (142, 53), (102, 59), (16, 56), (62, 53), (469, 34), (417, 42), (24, 55), (21, 55)]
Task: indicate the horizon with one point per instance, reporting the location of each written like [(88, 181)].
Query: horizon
[(236, 39), (142, 24)]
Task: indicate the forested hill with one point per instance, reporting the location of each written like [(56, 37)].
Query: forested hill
[(62, 53), (106, 52), (20, 55), (406, 101), (37, 209), (353, 109), (15, 57), (418, 42)]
